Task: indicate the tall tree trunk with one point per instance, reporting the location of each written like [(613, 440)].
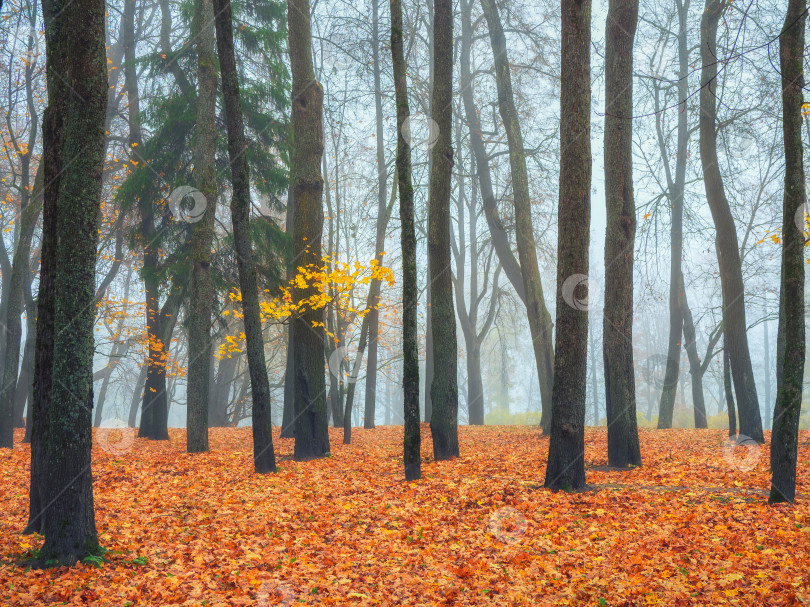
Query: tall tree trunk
[(410, 293), (444, 387), (566, 454), (200, 306), (382, 176), (288, 411), (540, 325), (728, 252), (311, 419), (73, 142), (676, 187), (154, 394), (617, 326), (264, 459), (785, 435)]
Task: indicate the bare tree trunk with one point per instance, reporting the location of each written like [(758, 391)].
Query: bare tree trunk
[(200, 307), (728, 390), (676, 187), (785, 436), (695, 366), (410, 293), (264, 459), (728, 252), (617, 326), (311, 419), (73, 142), (540, 324), (444, 387), (12, 338), (566, 452)]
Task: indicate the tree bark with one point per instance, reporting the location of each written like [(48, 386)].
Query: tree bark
[(444, 387), (73, 142), (200, 306), (676, 187), (382, 222), (264, 459), (785, 435), (540, 325), (566, 455), (728, 252), (311, 418), (410, 294), (617, 326)]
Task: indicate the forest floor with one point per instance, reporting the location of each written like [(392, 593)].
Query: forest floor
[(690, 527)]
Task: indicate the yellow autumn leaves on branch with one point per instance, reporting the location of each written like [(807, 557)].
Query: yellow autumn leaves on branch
[(312, 288)]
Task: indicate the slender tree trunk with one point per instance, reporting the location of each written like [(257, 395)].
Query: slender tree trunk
[(785, 436), (20, 272), (617, 326), (475, 387), (429, 355), (311, 419), (382, 222), (676, 189), (695, 366), (540, 325), (728, 390), (410, 293), (288, 412), (137, 392), (728, 252), (767, 372), (202, 288), (73, 142), (264, 459), (444, 387), (566, 454)]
